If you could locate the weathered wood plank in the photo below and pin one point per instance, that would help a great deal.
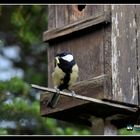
(124, 56)
(107, 50)
(91, 86)
(109, 129)
(97, 126)
(107, 43)
(60, 19)
(50, 56)
(89, 10)
(51, 17)
(87, 113)
(70, 13)
(81, 41)
(138, 45)
(87, 52)
(95, 82)
(50, 50)
(76, 98)
(79, 25)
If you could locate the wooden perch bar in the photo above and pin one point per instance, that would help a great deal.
(50, 90)
(94, 82)
(89, 85)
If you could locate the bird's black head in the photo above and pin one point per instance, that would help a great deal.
(63, 54)
(64, 60)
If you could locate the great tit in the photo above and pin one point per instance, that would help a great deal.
(64, 76)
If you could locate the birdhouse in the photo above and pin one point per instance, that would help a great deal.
(105, 41)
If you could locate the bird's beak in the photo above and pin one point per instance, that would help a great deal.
(57, 60)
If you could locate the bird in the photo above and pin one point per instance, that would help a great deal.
(64, 76)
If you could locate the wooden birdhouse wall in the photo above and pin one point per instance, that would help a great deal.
(89, 45)
(125, 53)
(104, 39)
(62, 15)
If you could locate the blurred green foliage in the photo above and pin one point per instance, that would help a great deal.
(29, 22)
(23, 25)
(124, 131)
(16, 106)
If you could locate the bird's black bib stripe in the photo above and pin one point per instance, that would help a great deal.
(65, 80)
(67, 69)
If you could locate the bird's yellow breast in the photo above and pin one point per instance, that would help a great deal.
(57, 76)
(73, 75)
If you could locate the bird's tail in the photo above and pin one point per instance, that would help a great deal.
(53, 100)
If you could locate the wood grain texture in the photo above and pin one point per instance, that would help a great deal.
(50, 55)
(77, 97)
(107, 42)
(87, 52)
(51, 17)
(89, 88)
(79, 25)
(83, 112)
(89, 10)
(83, 85)
(93, 87)
(124, 56)
(107, 54)
(94, 83)
(138, 46)
(62, 15)
(109, 129)
(87, 46)
(97, 126)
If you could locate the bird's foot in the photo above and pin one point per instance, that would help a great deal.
(72, 93)
(57, 90)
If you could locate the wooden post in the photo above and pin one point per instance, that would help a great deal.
(109, 129)
(97, 126)
(102, 126)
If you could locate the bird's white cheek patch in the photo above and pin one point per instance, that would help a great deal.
(68, 57)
